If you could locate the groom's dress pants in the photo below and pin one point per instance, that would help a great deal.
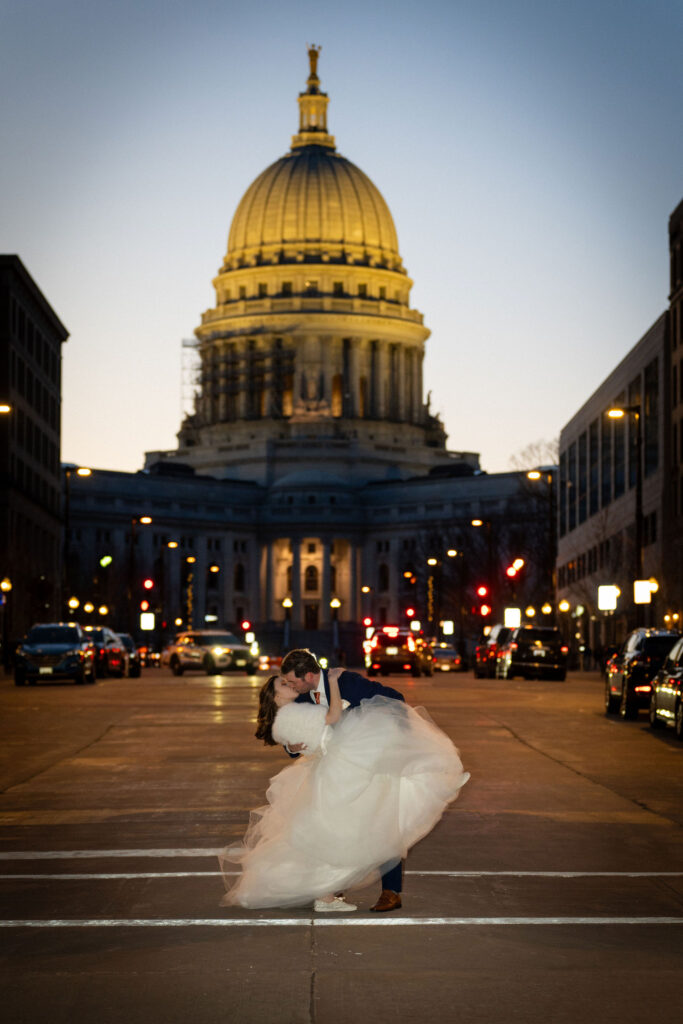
(394, 879)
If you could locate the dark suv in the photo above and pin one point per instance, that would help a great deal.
(55, 650)
(535, 652)
(392, 649)
(486, 651)
(629, 674)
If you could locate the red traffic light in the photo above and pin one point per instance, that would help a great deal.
(511, 571)
(148, 584)
(245, 624)
(367, 621)
(410, 612)
(482, 591)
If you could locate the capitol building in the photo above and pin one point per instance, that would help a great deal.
(311, 485)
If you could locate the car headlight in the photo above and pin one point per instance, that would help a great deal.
(254, 649)
(218, 651)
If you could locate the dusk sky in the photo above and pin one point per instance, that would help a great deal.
(530, 151)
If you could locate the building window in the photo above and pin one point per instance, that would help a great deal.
(382, 292)
(572, 489)
(311, 547)
(383, 577)
(362, 291)
(651, 418)
(243, 292)
(593, 468)
(338, 288)
(311, 579)
(286, 287)
(238, 578)
(582, 478)
(262, 290)
(619, 428)
(606, 425)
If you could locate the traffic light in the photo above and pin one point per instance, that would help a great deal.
(484, 610)
(410, 612)
(245, 624)
(367, 621)
(148, 583)
(482, 591)
(144, 606)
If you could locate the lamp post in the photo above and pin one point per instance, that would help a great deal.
(287, 605)
(617, 413)
(335, 605)
(82, 471)
(547, 476)
(5, 591)
(486, 523)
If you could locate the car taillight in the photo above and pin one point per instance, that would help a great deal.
(411, 644)
(564, 649)
(642, 689)
(408, 666)
(514, 646)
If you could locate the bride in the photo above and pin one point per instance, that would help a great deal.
(374, 779)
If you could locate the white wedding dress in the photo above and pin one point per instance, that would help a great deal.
(367, 789)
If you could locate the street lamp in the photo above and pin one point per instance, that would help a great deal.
(547, 476)
(135, 521)
(617, 413)
(335, 605)
(287, 604)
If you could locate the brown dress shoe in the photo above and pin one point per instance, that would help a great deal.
(389, 900)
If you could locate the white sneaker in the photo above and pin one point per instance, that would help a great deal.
(337, 905)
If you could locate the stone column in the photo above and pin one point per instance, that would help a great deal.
(353, 582)
(268, 612)
(297, 609)
(228, 578)
(325, 591)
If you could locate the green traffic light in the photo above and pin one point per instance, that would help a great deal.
(106, 560)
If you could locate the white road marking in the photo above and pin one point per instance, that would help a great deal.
(66, 876)
(347, 922)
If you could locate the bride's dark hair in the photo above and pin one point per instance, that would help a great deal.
(267, 710)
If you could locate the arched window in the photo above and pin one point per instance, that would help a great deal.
(383, 577)
(238, 578)
(311, 579)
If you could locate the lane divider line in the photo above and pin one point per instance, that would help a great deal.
(347, 922)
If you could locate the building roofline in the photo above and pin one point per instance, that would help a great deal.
(11, 262)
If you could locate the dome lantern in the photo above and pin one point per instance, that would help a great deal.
(313, 109)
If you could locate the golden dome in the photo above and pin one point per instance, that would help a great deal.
(313, 204)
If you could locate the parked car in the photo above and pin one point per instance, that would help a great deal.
(666, 699)
(535, 652)
(629, 674)
(445, 658)
(111, 657)
(486, 651)
(134, 660)
(392, 649)
(209, 650)
(148, 656)
(55, 650)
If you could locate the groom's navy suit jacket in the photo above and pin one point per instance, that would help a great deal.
(354, 687)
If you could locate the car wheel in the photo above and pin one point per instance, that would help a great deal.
(627, 706)
(415, 671)
(210, 666)
(678, 721)
(176, 667)
(429, 671)
(384, 671)
(611, 701)
(80, 678)
(655, 722)
(250, 669)
(19, 679)
(134, 672)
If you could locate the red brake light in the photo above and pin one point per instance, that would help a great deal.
(411, 644)
(564, 649)
(514, 646)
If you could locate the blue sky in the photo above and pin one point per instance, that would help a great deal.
(530, 152)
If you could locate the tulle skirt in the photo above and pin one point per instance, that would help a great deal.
(338, 819)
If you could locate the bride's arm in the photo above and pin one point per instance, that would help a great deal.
(334, 714)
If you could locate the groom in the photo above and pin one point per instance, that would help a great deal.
(303, 673)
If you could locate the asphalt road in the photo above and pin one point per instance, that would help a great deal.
(551, 891)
